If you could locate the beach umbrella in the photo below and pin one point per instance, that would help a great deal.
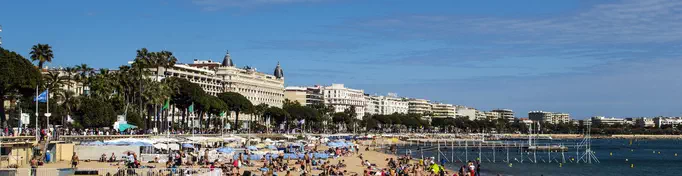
(125, 126)
(95, 143)
(174, 146)
(161, 146)
(225, 150)
(272, 147)
(252, 147)
(186, 145)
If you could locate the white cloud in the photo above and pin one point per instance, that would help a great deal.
(624, 22)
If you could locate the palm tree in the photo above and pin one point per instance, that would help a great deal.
(142, 61)
(68, 100)
(83, 76)
(258, 111)
(41, 53)
(70, 71)
(55, 80)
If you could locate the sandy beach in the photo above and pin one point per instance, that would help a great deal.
(353, 163)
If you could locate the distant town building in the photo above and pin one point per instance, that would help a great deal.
(491, 115)
(549, 117)
(304, 95)
(385, 105)
(604, 121)
(342, 98)
(372, 106)
(667, 121)
(463, 111)
(441, 110)
(481, 115)
(392, 104)
(525, 121)
(644, 122)
(418, 106)
(505, 113)
(629, 121)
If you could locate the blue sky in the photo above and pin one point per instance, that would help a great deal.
(609, 58)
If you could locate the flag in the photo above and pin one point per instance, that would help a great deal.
(166, 105)
(191, 107)
(222, 114)
(42, 97)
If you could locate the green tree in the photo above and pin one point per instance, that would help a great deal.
(95, 113)
(235, 102)
(18, 77)
(258, 112)
(186, 94)
(277, 115)
(41, 53)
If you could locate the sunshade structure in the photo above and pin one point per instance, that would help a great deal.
(130, 141)
(252, 148)
(226, 150)
(93, 143)
(340, 143)
(170, 146)
(187, 145)
(125, 126)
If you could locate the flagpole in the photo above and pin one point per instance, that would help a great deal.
(36, 100)
(47, 115)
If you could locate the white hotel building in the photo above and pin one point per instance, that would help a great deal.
(342, 98)
(418, 106)
(385, 105)
(216, 77)
(441, 110)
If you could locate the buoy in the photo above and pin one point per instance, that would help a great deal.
(510, 164)
(632, 165)
(675, 154)
(626, 160)
(560, 164)
(654, 152)
(611, 154)
(659, 152)
(632, 150)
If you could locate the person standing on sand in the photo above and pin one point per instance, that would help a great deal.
(74, 160)
(34, 166)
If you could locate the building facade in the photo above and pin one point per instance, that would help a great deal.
(549, 117)
(441, 110)
(392, 104)
(295, 94)
(644, 122)
(505, 113)
(304, 95)
(372, 106)
(673, 122)
(418, 106)
(342, 98)
(607, 121)
(216, 77)
(491, 115)
(463, 111)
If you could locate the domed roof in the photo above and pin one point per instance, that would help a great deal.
(278, 71)
(227, 61)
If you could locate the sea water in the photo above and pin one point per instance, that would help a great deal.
(615, 156)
